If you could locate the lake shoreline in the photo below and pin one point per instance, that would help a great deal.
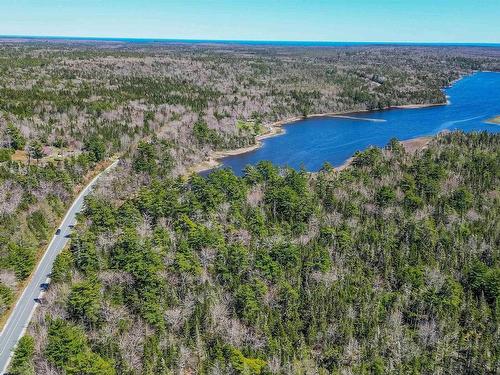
(276, 128)
(493, 121)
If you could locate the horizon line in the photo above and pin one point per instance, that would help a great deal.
(240, 41)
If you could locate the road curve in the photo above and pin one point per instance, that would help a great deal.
(21, 315)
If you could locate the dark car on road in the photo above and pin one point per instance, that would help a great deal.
(58, 231)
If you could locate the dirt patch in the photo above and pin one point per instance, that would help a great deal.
(202, 166)
(416, 144)
(20, 155)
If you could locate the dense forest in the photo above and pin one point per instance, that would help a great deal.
(64, 96)
(66, 108)
(33, 198)
(389, 266)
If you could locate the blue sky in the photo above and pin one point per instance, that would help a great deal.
(312, 20)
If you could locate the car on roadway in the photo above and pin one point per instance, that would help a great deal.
(58, 231)
(41, 301)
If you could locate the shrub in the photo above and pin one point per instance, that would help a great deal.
(22, 360)
(6, 297)
(17, 140)
(88, 363)
(64, 341)
(61, 270)
(21, 258)
(84, 302)
(5, 154)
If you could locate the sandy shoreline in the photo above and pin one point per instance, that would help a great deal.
(493, 121)
(417, 106)
(410, 145)
(276, 128)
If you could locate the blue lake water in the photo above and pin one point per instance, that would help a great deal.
(279, 43)
(312, 142)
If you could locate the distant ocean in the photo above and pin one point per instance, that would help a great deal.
(284, 43)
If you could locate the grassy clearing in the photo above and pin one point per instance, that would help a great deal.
(254, 127)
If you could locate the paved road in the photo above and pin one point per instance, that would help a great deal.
(23, 311)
